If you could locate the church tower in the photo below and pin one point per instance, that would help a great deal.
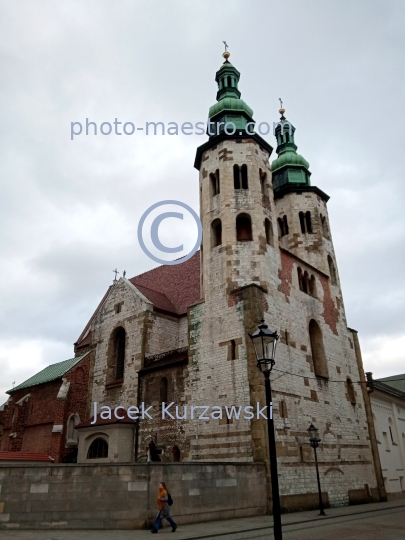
(235, 184)
(267, 253)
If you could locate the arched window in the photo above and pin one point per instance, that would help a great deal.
(229, 81)
(214, 183)
(119, 348)
(216, 233)
(243, 228)
(305, 222)
(286, 231)
(98, 449)
(305, 282)
(324, 226)
(302, 222)
(268, 227)
(163, 390)
(300, 279)
(280, 227)
(176, 453)
(318, 351)
(332, 270)
(350, 391)
(263, 183)
(236, 177)
(244, 174)
(72, 436)
(312, 287)
(308, 222)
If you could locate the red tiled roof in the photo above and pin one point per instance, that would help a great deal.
(169, 287)
(104, 422)
(24, 456)
(158, 299)
(179, 283)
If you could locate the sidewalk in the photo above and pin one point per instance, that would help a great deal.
(246, 528)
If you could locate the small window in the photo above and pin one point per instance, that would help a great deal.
(214, 183)
(244, 173)
(163, 389)
(300, 279)
(305, 222)
(118, 307)
(302, 222)
(324, 226)
(216, 233)
(229, 81)
(120, 338)
(269, 232)
(332, 270)
(285, 221)
(176, 454)
(236, 177)
(243, 228)
(385, 439)
(263, 183)
(305, 280)
(280, 227)
(283, 409)
(308, 222)
(350, 391)
(233, 349)
(312, 287)
(98, 449)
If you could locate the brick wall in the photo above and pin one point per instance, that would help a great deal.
(33, 420)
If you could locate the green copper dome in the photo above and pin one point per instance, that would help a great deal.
(229, 104)
(289, 158)
(229, 107)
(289, 168)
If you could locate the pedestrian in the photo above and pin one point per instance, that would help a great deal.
(163, 509)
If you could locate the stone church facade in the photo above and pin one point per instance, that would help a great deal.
(180, 333)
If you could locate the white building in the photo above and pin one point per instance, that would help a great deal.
(388, 405)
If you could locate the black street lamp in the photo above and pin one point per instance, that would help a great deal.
(265, 343)
(314, 441)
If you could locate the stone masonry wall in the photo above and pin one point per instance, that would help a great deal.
(124, 496)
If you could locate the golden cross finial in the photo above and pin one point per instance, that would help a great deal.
(281, 110)
(226, 54)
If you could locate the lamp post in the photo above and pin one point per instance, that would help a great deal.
(314, 441)
(264, 343)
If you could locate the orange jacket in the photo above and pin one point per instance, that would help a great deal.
(162, 493)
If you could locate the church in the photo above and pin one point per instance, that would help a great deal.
(181, 333)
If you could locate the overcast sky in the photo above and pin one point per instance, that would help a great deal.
(70, 209)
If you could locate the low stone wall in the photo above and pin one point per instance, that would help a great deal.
(105, 496)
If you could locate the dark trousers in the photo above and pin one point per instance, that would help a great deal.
(158, 521)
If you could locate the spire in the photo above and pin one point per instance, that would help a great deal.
(289, 168)
(229, 106)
